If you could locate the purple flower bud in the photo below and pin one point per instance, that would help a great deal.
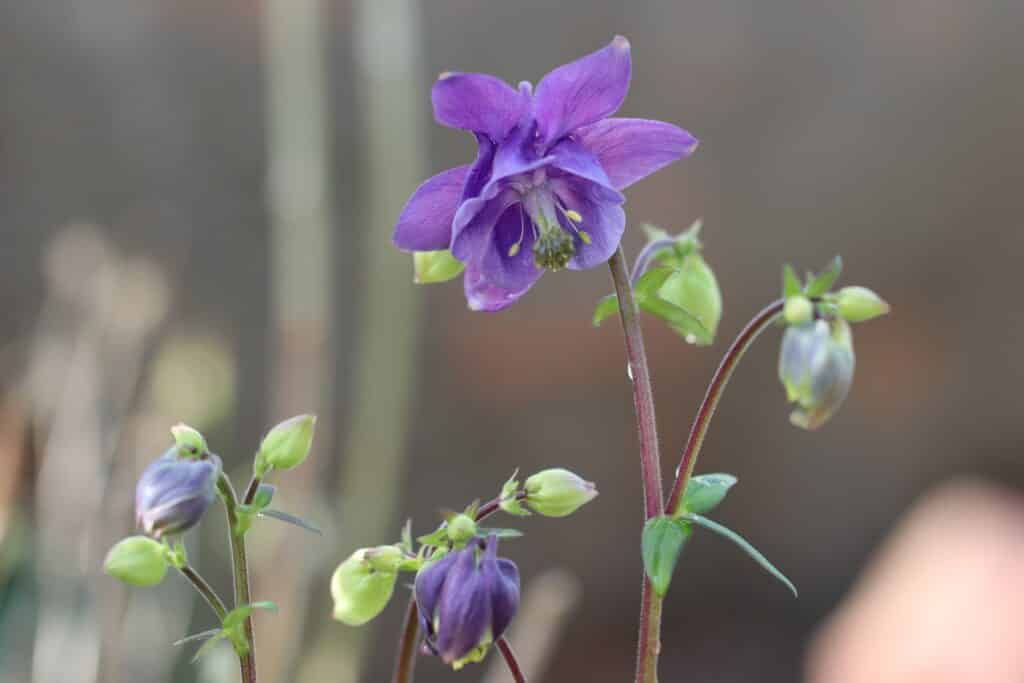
(174, 492)
(466, 601)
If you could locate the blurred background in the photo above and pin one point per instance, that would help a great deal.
(196, 201)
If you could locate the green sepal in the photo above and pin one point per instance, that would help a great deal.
(437, 537)
(790, 282)
(744, 545)
(818, 285)
(705, 491)
(662, 542)
(647, 299)
(406, 542)
(509, 497)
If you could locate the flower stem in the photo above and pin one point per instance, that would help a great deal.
(702, 421)
(406, 661)
(206, 591)
(649, 643)
(240, 571)
(510, 660)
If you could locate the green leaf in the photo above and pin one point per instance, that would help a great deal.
(821, 283)
(236, 616)
(790, 282)
(484, 532)
(662, 542)
(651, 281)
(197, 636)
(681, 320)
(436, 538)
(406, 543)
(744, 545)
(705, 491)
(291, 519)
(208, 645)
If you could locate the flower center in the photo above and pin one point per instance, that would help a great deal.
(554, 244)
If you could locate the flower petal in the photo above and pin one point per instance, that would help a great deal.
(604, 221)
(499, 273)
(478, 102)
(426, 221)
(502, 579)
(584, 91)
(427, 589)
(464, 613)
(572, 157)
(631, 149)
(475, 219)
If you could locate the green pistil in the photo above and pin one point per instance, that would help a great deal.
(553, 248)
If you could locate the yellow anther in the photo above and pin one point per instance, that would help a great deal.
(514, 249)
(584, 236)
(574, 216)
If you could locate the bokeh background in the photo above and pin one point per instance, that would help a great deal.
(196, 200)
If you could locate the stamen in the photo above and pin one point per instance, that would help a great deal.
(514, 249)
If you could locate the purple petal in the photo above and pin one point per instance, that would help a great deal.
(465, 612)
(480, 171)
(584, 91)
(572, 157)
(474, 221)
(631, 149)
(478, 102)
(426, 221)
(604, 221)
(427, 589)
(499, 273)
(502, 578)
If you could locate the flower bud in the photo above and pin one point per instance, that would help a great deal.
(435, 266)
(695, 289)
(798, 309)
(466, 600)
(363, 584)
(264, 496)
(175, 491)
(137, 560)
(461, 528)
(286, 445)
(857, 304)
(190, 442)
(816, 366)
(557, 492)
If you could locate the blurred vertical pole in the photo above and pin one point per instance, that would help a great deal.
(386, 46)
(301, 219)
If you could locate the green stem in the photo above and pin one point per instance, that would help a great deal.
(206, 591)
(702, 421)
(240, 571)
(649, 637)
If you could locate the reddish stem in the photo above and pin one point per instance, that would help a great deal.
(510, 660)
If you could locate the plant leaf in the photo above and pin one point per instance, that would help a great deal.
(821, 283)
(705, 491)
(197, 636)
(435, 538)
(605, 309)
(651, 281)
(744, 545)
(208, 645)
(291, 519)
(484, 532)
(790, 282)
(678, 318)
(662, 542)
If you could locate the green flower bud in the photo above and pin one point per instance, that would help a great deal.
(137, 560)
(857, 304)
(461, 528)
(798, 309)
(435, 266)
(189, 441)
(695, 289)
(286, 445)
(360, 587)
(557, 492)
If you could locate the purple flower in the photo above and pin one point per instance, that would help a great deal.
(466, 600)
(544, 191)
(174, 491)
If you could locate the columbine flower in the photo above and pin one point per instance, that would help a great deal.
(175, 491)
(466, 600)
(816, 365)
(544, 191)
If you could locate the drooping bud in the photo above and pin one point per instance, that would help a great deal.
(461, 528)
(694, 288)
(798, 309)
(466, 601)
(435, 266)
(174, 491)
(858, 304)
(286, 445)
(816, 366)
(137, 560)
(557, 492)
(362, 585)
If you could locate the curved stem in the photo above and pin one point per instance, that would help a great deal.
(510, 660)
(406, 661)
(206, 591)
(646, 255)
(240, 571)
(702, 421)
(492, 506)
(649, 640)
